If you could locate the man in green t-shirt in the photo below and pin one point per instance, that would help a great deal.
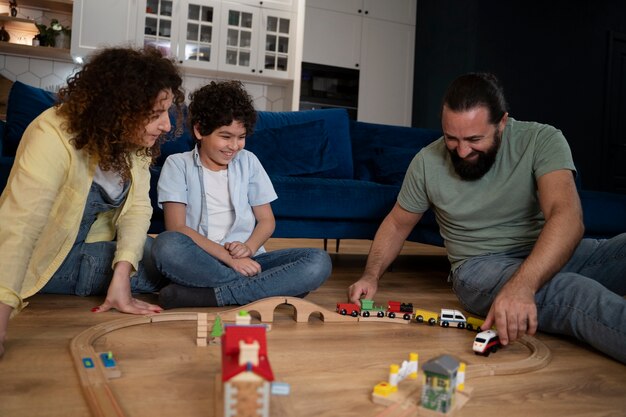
(504, 196)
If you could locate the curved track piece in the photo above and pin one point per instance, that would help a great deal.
(91, 371)
(540, 357)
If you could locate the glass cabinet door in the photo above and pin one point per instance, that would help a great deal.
(256, 40)
(239, 45)
(277, 36)
(200, 34)
(158, 25)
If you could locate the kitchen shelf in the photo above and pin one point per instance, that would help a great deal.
(46, 52)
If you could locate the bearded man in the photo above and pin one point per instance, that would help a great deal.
(504, 196)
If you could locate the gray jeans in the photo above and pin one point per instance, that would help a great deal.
(584, 300)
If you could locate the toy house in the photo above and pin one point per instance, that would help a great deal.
(246, 371)
(440, 381)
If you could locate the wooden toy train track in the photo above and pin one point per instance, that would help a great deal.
(102, 401)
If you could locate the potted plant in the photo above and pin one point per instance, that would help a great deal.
(55, 35)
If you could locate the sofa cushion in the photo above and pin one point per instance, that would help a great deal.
(324, 198)
(372, 160)
(336, 124)
(25, 104)
(389, 164)
(297, 150)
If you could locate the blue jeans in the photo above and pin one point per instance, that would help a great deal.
(287, 272)
(87, 269)
(584, 300)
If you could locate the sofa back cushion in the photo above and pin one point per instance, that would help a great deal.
(24, 105)
(382, 153)
(304, 143)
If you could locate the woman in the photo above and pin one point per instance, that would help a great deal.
(76, 210)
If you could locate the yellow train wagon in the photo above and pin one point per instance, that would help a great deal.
(427, 316)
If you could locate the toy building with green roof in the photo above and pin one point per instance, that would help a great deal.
(440, 380)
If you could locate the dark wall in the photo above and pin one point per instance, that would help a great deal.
(550, 56)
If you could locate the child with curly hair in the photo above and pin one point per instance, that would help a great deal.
(216, 202)
(75, 211)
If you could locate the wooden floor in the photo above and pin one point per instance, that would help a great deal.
(330, 367)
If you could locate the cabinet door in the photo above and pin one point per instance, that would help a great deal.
(158, 25)
(199, 34)
(344, 6)
(239, 38)
(97, 23)
(386, 76)
(400, 11)
(277, 44)
(332, 38)
(287, 5)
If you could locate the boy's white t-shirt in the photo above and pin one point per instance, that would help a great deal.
(220, 209)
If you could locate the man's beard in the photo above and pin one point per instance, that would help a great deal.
(472, 171)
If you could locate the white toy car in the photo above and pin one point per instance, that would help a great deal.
(486, 342)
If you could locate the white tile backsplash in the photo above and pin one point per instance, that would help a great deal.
(51, 75)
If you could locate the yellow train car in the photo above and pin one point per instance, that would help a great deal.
(422, 316)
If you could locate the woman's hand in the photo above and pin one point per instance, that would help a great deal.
(120, 297)
(5, 313)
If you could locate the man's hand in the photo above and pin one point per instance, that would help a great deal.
(238, 250)
(363, 288)
(513, 312)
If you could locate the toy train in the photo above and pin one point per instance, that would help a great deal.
(445, 318)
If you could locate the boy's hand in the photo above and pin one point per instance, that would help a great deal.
(246, 266)
(238, 250)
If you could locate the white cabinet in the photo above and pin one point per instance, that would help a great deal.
(256, 41)
(386, 74)
(332, 38)
(377, 37)
(224, 36)
(186, 30)
(101, 23)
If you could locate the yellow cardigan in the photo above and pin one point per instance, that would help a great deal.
(42, 206)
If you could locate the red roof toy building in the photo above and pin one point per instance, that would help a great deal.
(244, 348)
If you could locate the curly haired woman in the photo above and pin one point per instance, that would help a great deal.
(216, 202)
(75, 211)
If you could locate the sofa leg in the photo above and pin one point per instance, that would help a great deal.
(337, 246)
(326, 244)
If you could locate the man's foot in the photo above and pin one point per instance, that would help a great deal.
(176, 296)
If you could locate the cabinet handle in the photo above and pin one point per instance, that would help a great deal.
(360, 11)
(367, 12)
(356, 65)
(260, 71)
(253, 70)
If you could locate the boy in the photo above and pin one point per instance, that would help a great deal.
(216, 202)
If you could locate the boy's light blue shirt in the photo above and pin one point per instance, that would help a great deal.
(181, 181)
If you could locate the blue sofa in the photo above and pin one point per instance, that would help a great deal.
(335, 178)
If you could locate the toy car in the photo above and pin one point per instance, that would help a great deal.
(486, 342)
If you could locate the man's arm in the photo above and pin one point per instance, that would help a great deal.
(386, 246)
(514, 311)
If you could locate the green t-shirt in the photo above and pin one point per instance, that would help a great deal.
(498, 212)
